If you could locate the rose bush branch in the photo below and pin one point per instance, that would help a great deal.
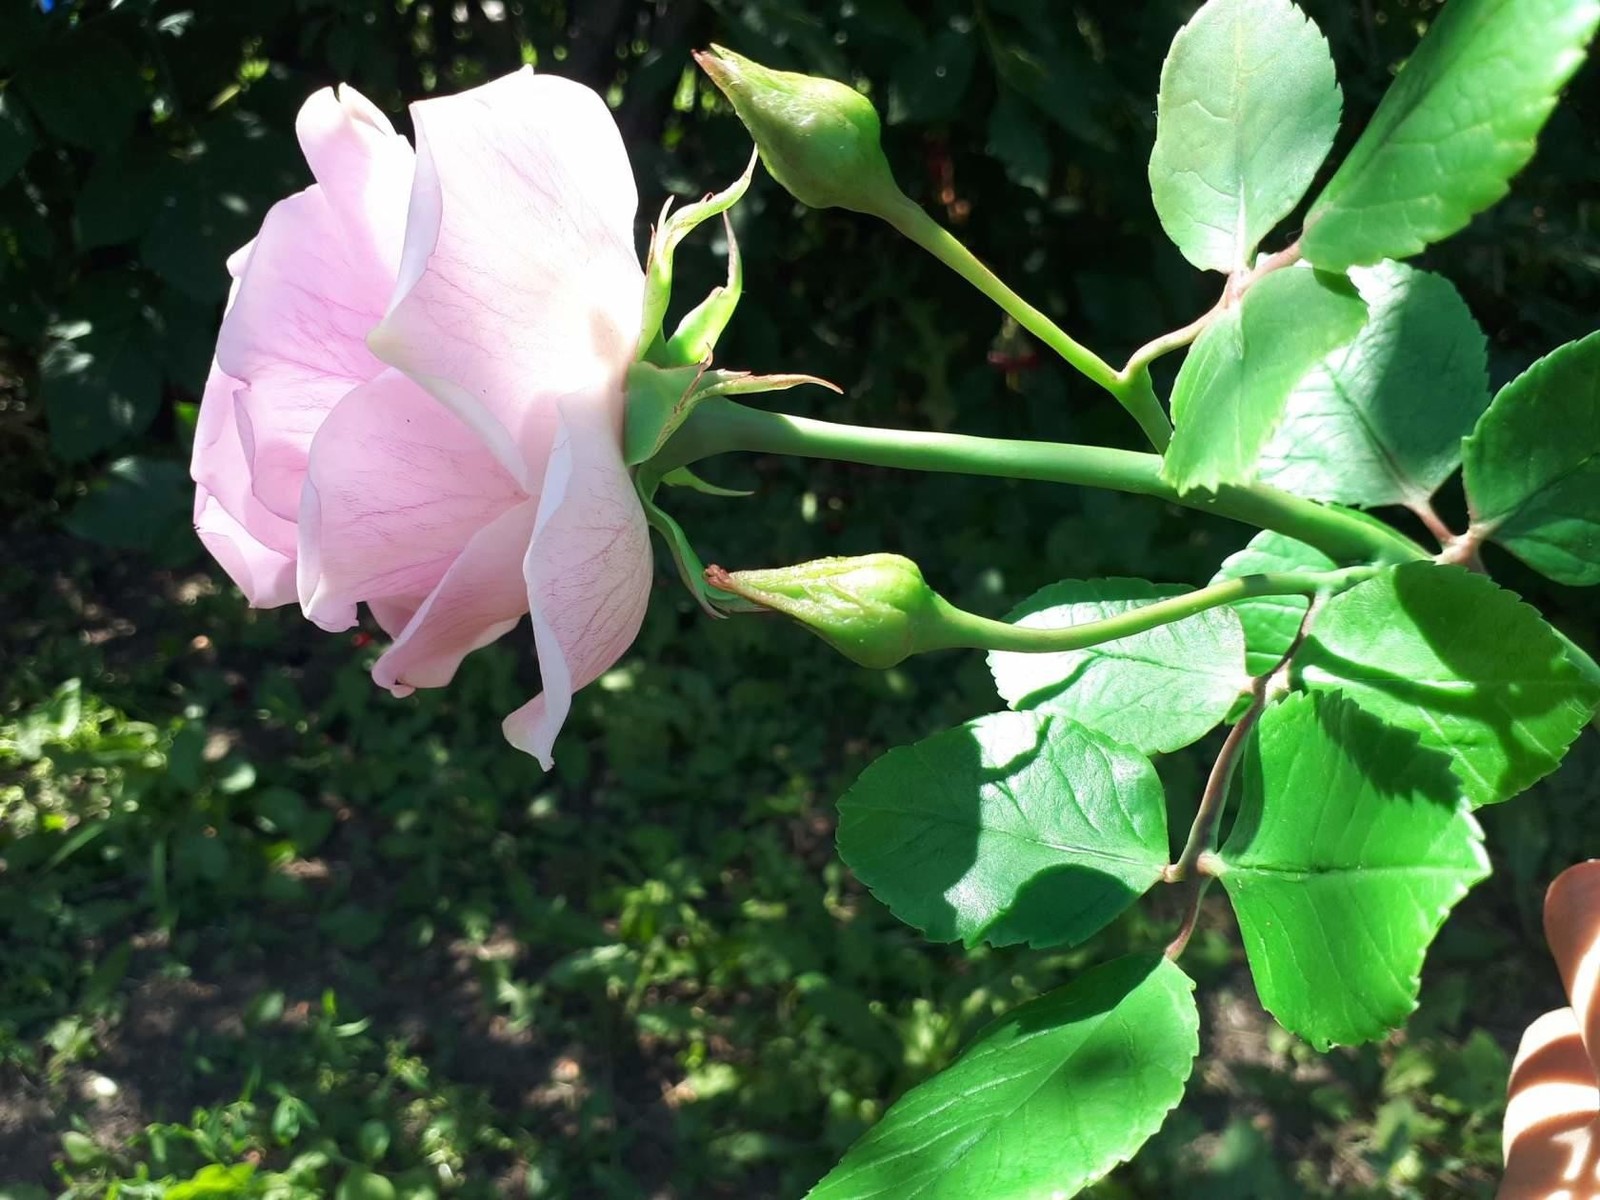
(820, 139)
(719, 426)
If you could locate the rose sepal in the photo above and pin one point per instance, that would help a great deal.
(712, 315)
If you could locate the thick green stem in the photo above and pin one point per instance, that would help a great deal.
(1138, 397)
(970, 631)
(718, 426)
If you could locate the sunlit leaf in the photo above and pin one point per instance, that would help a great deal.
(1351, 845)
(1044, 1101)
(1155, 691)
(1232, 388)
(1533, 465)
(1462, 663)
(1248, 109)
(1380, 421)
(1015, 827)
(1458, 122)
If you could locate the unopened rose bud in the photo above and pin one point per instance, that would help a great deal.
(819, 138)
(875, 610)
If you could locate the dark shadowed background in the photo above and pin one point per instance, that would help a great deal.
(265, 931)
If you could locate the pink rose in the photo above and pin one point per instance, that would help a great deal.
(1552, 1127)
(417, 397)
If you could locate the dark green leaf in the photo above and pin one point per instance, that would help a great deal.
(929, 84)
(1533, 465)
(1016, 139)
(213, 202)
(121, 196)
(1460, 662)
(1380, 421)
(1351, 846)
(1058, 76)
(1045, 1100)
(1248, 109)
(1270, 622)
(1458, 122)
(16, 136)
(1155, 691)
(1015, 827)
(141, 504)
(1233, 386)
(85, 89)
(99, 378)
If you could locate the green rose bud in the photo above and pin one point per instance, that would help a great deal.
(875, 610)
(819, 138)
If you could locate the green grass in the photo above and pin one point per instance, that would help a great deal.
(271, 932)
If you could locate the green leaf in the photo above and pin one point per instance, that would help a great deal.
(1248, 109)
(1045, 1100)
(1018, 142)
(121, 195)
(1270, 622)
(1015, 827)
(16, 137)
(929, 84)
(1462, 663)
(85, 89)
(1380, 421)
(141, 504)
(212, 201)
(1351, 845)
(1155, 691)
(99, 377)
(1233, 386)
(1056, 73)
(1533, 465)
(1458, 122)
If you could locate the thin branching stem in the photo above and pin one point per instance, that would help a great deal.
(1194, 868)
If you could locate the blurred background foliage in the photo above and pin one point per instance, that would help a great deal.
(265, 931)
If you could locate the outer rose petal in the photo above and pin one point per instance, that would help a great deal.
(479, 598)
(1551, 1139)
(218, 465)
(264, 576)
(311, 287)
(364, 169)
(588, 571)
(296, 338)
(519, 268)
(396, 488)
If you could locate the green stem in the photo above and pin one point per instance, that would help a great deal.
(1140, 401)
(970, 631)
(718, 426)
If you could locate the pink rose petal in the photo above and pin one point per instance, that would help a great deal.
(588, 572)
(519, 276)
(396, 488)
(264, 576)
(479, 598)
